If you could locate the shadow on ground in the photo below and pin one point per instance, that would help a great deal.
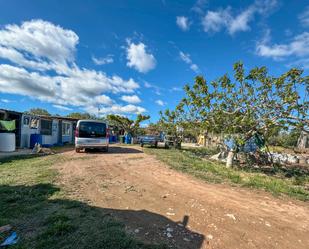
(115, 150)
(44, 219)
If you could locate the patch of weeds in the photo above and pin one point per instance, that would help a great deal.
(58, 225)
(190, 162)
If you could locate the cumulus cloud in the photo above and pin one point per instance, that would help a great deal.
(186, 58)
(138, 58)
(225, 19)
(183, 23)
(132, 99)
(160, 102)
(40, 63)
(102, 61)
(116, 109)
(304, 17)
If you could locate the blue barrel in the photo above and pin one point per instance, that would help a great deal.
(35, 138)
(128, 139)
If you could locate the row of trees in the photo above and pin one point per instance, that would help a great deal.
(249, 104)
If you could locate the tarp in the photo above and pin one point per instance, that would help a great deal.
(7, 125)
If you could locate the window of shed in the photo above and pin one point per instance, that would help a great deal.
(46, 127)
(66, 128)
(26, 121)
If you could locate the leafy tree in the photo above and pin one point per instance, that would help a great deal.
(39, 111)
(171, 123)
(79, 115)
(285, 138)
(252, 103)
(128, 125)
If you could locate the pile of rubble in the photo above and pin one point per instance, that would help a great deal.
(278, 158)
(289, 159)
(38, 149)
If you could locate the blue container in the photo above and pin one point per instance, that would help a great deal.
(35, 138)
(128, 139)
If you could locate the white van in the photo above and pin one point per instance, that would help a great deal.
(91, 134)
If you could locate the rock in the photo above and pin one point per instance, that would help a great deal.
(170, 214)
(186, 239)
(231, 216)
(209, 237)
(169, 229)
(292, 159)
(267, 224)
(136, 231)
(216, 156)
(169, 235)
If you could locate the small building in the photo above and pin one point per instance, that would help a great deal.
(51, 130)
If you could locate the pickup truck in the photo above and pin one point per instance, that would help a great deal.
(149, 140)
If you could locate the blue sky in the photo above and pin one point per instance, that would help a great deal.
(130, 57)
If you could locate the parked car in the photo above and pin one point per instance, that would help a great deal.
(91, 134)
(149, 140)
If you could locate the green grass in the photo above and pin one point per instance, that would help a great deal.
(45, 217)
(192, 161)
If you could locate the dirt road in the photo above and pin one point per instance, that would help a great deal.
(158, 204)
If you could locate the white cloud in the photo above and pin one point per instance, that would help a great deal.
(139, 58)
(103, 100)
(5, 100)
(104, 60)
(64, 108)
(156, 89)
(134, 99)
(199, 6)
(215, 21)
(40, 63)
(295, 52)
(304, 17)
(186, 58)
(160, 102)
(176, 89)
(298, 46)
(116, 109)
(183, 23)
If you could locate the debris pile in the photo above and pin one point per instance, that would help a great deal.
(38, 149)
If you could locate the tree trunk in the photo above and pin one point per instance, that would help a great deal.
(230, 158)
(302, 140)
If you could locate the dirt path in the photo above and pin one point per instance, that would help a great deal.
(159, 204)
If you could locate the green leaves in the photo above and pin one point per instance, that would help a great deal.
(253, 102)
(130, 126)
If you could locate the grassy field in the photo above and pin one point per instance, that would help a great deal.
(193, 162)
(45, 217)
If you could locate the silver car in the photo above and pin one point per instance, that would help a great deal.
(91, 134)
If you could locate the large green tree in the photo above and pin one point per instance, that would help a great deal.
(128, 125)
(250, 103)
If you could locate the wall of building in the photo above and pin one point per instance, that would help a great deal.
(26, 130)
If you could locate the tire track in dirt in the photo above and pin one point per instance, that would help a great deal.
(156, 202)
